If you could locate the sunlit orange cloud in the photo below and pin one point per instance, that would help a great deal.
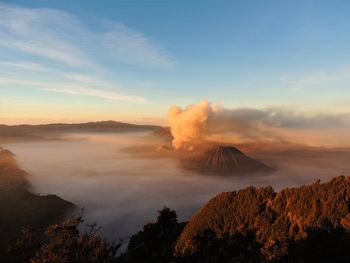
(206, 121)
(316, 138)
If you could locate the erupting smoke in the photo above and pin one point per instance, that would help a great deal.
(206, 121)
(190, 124)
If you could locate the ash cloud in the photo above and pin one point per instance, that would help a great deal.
(189, 124)
(207, 121)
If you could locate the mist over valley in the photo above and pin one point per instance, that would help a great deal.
(122, 191)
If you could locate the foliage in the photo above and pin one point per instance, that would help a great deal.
(321, 245)
(156, 242)
(212, 249)
(65, 244)
(26, 246)
(277, 219)
(298, 225)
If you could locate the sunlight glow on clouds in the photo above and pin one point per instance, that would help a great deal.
(208, 121)
(126, 59)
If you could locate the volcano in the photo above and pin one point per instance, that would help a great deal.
(226, 160)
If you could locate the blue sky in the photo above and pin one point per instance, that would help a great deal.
(131, 60)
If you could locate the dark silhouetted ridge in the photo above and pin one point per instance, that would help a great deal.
(20, 208)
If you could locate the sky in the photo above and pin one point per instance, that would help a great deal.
(75, 61)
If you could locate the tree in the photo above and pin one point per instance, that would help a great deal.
(320, 245)
(156, 242)
(225, 249)
(65, 244)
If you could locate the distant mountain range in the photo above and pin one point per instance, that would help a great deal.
(32, 132)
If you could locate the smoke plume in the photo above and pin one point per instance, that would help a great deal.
(207, 121)
(190, 124)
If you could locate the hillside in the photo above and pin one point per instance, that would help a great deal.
(10, 174)
(276, 219)
(21, 208)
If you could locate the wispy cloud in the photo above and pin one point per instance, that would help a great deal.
(39, 32)
(319, 78)
(134, 47)
(62, 46)
(73, 89)
(62, 37)
(89, 80)
(24, 65)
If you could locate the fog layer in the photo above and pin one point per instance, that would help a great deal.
(122, 193)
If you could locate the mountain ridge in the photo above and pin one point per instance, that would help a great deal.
(274, 217)
(54, 130)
